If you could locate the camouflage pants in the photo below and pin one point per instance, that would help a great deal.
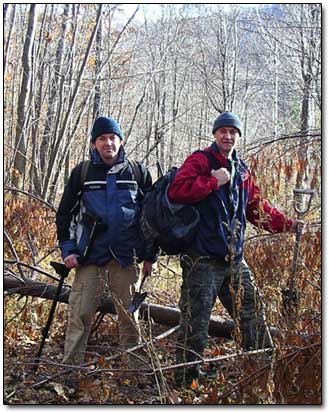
(205, 279)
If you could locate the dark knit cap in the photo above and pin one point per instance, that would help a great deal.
(227, 119)
(105, 125)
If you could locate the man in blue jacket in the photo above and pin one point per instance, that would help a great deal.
(99, 235)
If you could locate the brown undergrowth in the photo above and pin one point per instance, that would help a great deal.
(292, 375)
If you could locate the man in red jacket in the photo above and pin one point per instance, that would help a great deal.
(226, 197)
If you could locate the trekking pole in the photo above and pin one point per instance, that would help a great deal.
(160, 169)
(63, 271)
(290, 295)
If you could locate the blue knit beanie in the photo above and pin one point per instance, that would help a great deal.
(105, 125)
(227, 119)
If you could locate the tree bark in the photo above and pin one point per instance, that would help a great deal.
(20, 143)
(98, 64)
(8, 40)
(55, 106)
(48, 189)
(38, 84)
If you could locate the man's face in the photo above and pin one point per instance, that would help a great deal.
(226, 139)
(108, 146)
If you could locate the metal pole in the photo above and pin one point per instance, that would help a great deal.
(290, 297)
(63, 271)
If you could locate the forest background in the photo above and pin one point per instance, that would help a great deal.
(164, 73)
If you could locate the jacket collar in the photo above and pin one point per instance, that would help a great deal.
(97, 160)
(214, 148)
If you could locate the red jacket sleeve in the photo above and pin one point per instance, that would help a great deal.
(193, 181)
(261, 214)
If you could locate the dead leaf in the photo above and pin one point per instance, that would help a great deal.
(218, 351)
(194, 384)
(101, 361)
(90, 385)
(213, 396)
(59, 390)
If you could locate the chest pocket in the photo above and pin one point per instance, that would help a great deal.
(127, 190)
(94, 185)
(127, 195)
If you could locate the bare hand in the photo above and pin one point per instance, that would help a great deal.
(71, 261)
(222, 175)
(297, 226)
(147, 268)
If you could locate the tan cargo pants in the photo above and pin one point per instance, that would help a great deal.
(90, 285)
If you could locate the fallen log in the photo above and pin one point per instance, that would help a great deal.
(160, 314)
(44, 290)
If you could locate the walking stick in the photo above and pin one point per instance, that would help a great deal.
(63, 271)
(160, 169)
(290, 295)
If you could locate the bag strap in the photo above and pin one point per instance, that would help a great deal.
(211, 158)
(84, 171)
(214, 165)
(134, 165)
(136, 171)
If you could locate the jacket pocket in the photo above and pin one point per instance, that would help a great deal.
(130, 215)
(82, 237)
(127, 191)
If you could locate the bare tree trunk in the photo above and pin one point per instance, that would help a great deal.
(159, 75)
(5, 10)
(307, 60)
(148, 128)
(174, 114)
(163, 122)
(10, 125)
(20, 146)
(245, 109)
(8, 40)
(52, 166)
(234, 64)
(98, 65)
(218, 66)
(38, 86)
(54, 105)
(275, 91)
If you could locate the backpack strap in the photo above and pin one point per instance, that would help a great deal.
(84, 171)
(136, 171)
(214, 165)
(134, 165)
(213, 162)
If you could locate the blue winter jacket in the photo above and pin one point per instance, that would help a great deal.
(220, 232)
(110, 196)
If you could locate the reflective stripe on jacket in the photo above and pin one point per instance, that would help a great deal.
(109, 194)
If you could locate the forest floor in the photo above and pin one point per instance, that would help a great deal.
(108, 381)
(293, 375)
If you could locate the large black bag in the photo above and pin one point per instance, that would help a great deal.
(171, 226)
